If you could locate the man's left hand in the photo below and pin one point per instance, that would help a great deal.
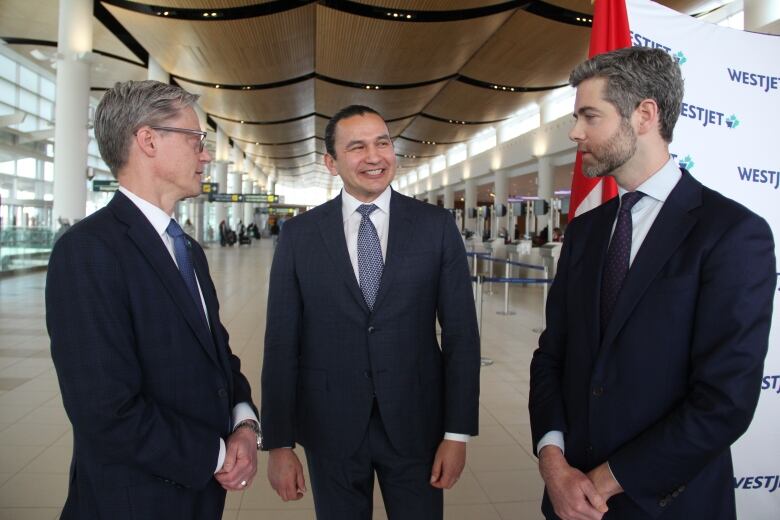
(448, 464)
(240, 461)
(604, 482)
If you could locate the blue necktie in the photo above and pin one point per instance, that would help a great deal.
(369, 253)
(181, 248)
(618, 255)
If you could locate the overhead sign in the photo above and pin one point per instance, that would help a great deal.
(209, 187)
(105, 185)
(252, 198)
(226, 197)
(261, 197)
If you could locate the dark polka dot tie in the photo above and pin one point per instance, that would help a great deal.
(181, 249)
(369, 253)
(618, 255)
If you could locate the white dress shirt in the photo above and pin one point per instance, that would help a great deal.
(159, 221)
(380, 217)
(656, 189)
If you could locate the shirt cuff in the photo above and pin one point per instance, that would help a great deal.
(460, 437)
(553, 437)
(613, 475)
(241, 412)
(221, 458)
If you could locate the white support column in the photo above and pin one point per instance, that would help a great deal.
(235, 182)
(71, 112)
(545, 190)
(220, 174)
(449, 197)
(501, 192)
(156, 72)
(471, 204)
(762, 16)
(246, 188)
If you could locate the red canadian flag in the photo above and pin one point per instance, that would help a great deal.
(610, 31)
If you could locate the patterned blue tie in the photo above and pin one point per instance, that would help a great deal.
(181, 248)
(369, 253)
(618, 255)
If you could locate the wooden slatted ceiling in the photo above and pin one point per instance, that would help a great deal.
(684, 6)
(257, 50)
(468, 103)
(280, 133)
(522, 53)
(205, 4)
(256, 105)
(367, 50)
(431, 5)
(425, 129)
(391, 104)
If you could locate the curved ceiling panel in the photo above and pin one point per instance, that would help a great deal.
(262, 49)
(392, 104)
(280, 133)
(386, 52)
(468, 103)
(267, 105)
(520, 54)
(425, 129)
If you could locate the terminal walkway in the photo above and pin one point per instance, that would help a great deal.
(500, 481)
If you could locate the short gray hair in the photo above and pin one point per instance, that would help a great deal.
(129, 106)
(634, 74)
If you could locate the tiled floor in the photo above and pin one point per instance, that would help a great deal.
(500, 481)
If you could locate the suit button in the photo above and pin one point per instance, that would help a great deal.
(598, 391)
(663, 502)
(222, 392)
(367, 373)
(371, 329)
(589, 449)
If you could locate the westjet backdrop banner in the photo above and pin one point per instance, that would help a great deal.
(727, 138)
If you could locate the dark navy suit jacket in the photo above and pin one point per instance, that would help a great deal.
(676, 376)
(327, 357)
(148, 387)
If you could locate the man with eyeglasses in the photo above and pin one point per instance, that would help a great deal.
(163, 421)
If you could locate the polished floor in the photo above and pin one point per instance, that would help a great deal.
(500, 481)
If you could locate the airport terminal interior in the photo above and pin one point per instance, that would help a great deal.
(476, 99)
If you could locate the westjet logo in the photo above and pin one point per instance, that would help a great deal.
(769, 178)
(771, 383)
(637, 40)
(752, 79)
(708, 116)
(768, 482)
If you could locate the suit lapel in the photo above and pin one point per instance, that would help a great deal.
(669, 230)
(398, 238)
(202, 272)
(332, 231)
(148, 242)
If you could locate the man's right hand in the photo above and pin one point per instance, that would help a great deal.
(573, 495)
(285, 474)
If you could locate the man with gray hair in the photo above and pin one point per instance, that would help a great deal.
(163, 420)
(658, 319)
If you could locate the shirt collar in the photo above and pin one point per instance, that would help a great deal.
(350, 204)
(156, 217)
(661, 183)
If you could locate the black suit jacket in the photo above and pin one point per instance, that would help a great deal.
(676, 376)
(327, 356)
(148, 387)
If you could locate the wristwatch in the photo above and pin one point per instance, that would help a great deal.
(252, 425)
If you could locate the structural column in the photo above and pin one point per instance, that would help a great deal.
(220, 174)
(471, 205)
(71, 112)
(449, 197)
(156, 72)
(501, 192)
(545, 191)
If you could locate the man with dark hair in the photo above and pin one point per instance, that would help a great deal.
(657, 322)
(353, 370)
(163, 420)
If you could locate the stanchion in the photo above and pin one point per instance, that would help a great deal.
(483, 361)
(539, 330)
(507, 274)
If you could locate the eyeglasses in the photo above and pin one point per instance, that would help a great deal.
(199, 133)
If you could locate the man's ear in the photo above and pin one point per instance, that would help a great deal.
(146, 140)
(330, 164)
(647, 115)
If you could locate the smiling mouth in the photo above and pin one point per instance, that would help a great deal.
(374, 173)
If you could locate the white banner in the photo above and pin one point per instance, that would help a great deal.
(727, 138)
